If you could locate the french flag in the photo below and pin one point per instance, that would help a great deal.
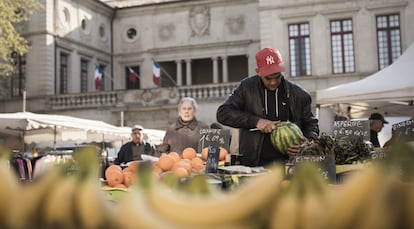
(98, 77)
(132, 76)
(156, 73)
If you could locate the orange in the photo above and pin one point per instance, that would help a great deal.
(156, 169)
(114, 177)
(112, 168)
(196, 161)
(181, 172)
(183, 163)
(189, 153)
(175, 156)
(165, 162)
(133, 166)
(223, 154)
(204, 153)
(120, 186)
(129, 178)
(197, 167)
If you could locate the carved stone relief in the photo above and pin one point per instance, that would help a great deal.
(166, 31)
(200, 21)
(236, 25)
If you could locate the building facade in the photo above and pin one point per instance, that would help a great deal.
(203, 47)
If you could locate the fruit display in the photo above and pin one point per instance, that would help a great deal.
(379, 196)
(183, 165)
(285, 135)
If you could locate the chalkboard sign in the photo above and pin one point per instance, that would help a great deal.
(404, 130)
(213, 157)
(356, 128)
(326, 165)
(214, 137)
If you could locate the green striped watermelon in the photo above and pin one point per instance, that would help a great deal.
(285, 135)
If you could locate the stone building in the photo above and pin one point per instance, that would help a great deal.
(203, 48)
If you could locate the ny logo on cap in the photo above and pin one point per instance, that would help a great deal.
(270, 60)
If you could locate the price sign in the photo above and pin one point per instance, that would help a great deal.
(213, 157)
(326, 165)
(214, 137)
(358, 128)
(404, 130)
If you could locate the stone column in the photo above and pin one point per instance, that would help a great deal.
(225, 70)
(188, 71)
(179, 73)
(215, 69)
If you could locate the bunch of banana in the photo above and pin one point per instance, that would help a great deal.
(10, 187)
(303, 203)
(92, 207)
(59, 205)
(63, 199)
(151, 204)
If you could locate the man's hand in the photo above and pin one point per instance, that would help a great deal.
(266, 126)
(294, 149)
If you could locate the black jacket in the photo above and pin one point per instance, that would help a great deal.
(125, 153)
(245, 106)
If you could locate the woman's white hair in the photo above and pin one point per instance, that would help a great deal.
(188, 99)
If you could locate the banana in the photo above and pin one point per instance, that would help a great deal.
(312, 212)
(31, 198)
(59, 206)
(9, 192)
(381, 211)
(285, 213)
(314, 201)
(407, 219)
(93, 208)
(218, 209)
(350, 204)
(133, 211)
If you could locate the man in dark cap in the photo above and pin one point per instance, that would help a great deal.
(377, 122)
(132, 151)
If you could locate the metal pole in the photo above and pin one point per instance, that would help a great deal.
(122, 118)
(24, 100)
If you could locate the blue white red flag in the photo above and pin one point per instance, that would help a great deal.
(98, 77)
(156, 73)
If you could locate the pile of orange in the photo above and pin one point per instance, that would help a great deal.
(121, 178)
(181, 165)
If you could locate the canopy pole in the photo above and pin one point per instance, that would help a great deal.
(318, 108)
(122, 118)
(24, 100)
(54, 138)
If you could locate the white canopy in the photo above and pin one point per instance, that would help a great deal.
(381, 90)
(48, 130)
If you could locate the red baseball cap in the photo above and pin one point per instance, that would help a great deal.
(269, 61)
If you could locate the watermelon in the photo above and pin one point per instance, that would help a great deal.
(285, 135)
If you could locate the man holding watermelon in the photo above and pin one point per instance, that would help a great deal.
(265, 109)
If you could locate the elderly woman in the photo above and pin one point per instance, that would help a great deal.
(185, 131)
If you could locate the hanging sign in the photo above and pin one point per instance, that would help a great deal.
(214, 137)
(349, 128)
(404, 130)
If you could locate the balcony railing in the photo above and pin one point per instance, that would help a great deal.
(141, 97)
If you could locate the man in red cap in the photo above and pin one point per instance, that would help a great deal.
(262, 101)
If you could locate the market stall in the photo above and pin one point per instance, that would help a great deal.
(49, 130)
(390, 91)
